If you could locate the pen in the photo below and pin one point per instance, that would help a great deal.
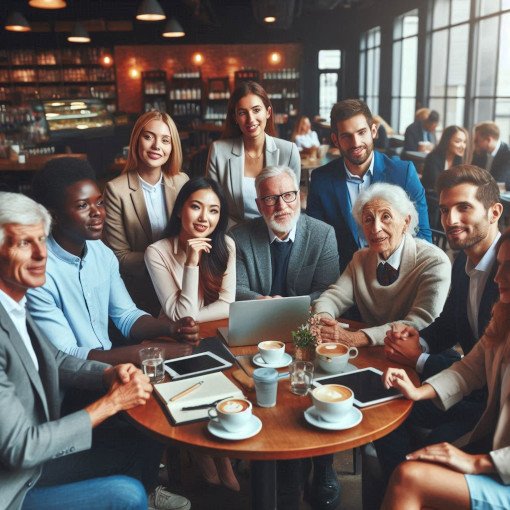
(204, 406)
(186, 391)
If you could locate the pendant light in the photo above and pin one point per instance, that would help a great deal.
(16, 22)
(173, 29)
(79, 34)
(47, 4)
(150, 10)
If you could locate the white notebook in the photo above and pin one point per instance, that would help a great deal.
(215, 387)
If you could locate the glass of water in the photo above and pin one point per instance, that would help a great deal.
(152, 359)
(301, 376)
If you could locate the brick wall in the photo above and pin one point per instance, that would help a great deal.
(219, 60)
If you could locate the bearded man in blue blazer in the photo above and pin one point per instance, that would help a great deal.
(335, 186)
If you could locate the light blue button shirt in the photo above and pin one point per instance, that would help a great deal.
(73, 306)
(355, 185)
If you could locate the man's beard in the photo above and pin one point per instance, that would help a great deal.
(283, 228)
(360, 160)
(477, 234)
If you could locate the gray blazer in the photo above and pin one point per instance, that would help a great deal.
(31, 430)
(313, 264)
(225, 165)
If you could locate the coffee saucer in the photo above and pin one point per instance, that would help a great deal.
(350, 420)
(252, 428)
(285, 362)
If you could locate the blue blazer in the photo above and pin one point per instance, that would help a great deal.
(452, 325)
(328, 199)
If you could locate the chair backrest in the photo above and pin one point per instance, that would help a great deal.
(433, 208)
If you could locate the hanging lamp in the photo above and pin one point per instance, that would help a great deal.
(173, 29)
(16, 22)
(150, 10)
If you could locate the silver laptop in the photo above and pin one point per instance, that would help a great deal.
(252, 321)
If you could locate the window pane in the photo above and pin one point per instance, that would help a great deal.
(503, 88)
(487, 6)
(441, 13)
(486, 57)
(362, 42)
(460, 10)
(502, 118)
(377, 36)
(410, 24)
(409, 65)
(397, 67)
(395, 112)
(362, 89)
(370, 72)
(483, 110)
(457, 68)
(328, 93)
(329, 59)
(397, 28)
(438, 63)
(373, 104)
(505, 4)
(454, 111)
(407, 109)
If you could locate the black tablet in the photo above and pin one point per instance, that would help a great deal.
(196, 364)
(365, 383)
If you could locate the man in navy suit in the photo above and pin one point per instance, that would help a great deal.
(470, 209)
(491, 153)
(421, 131)
(335, 186)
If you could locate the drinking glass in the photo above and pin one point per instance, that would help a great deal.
(301, 376)
(152, 361)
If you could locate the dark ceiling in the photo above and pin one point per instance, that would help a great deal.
(113, 22)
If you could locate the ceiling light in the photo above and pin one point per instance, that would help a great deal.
(269, 19)
(79, 34)
(16, 22)
(47, 4)
(150, 10)
(173, 29)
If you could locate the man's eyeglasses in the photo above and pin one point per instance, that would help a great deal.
(287, 197)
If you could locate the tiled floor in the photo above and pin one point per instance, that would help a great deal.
(204, 497)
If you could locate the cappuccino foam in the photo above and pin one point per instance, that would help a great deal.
(332, 349)
(333, 393)
(233, 406)
(271, 344)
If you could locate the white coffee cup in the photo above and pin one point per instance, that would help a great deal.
(332, 401)
(272, 351)
(233, 414)
(333, 357)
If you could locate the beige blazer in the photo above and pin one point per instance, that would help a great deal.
(482, 366)
(225, 165)
(128, 231)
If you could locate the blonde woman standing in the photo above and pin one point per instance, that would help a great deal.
(140, 201)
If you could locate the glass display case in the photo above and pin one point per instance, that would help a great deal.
(68, 118)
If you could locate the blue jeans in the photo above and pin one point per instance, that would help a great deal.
(108, 493)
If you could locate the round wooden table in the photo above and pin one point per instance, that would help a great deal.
(285, 434)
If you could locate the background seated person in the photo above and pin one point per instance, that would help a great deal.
(442, 476)
(83, 286)
(37, 471)
(193, 267)
(303, 136)
(491, 152)
(450, 151)
(397, 277)
(422, 131)
(283, 253)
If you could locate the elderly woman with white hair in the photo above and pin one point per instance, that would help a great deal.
(397, 278)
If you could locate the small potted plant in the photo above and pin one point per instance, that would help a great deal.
(307, 338)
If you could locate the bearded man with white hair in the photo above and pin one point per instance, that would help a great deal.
(283, 252)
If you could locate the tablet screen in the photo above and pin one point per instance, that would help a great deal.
(366, 385)
(195, 364)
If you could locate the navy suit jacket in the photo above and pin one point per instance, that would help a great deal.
(414, 135)
(452, 325)
(328, 199)
(500, 168)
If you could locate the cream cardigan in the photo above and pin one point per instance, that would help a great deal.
(416, 297)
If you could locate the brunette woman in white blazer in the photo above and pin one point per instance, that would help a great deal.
(441, 475)
(140, 201)
(247, 146)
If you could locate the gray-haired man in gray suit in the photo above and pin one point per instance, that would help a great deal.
(286, 253)
(34, 439)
